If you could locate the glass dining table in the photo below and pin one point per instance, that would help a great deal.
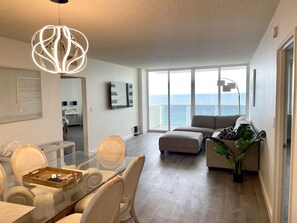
(54, 189)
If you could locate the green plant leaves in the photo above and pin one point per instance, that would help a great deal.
(246, 136)
(245, 132)
(225, 151)
(242, 145)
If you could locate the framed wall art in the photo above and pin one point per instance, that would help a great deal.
(20, 95)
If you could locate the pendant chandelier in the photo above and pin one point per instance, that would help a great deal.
(56, 49)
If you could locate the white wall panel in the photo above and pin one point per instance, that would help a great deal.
(263, 114)
(101, 120)
(15, 54)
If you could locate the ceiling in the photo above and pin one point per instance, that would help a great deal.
(150, 34)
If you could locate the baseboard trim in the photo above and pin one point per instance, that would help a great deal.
(128, 136)
(264, 192)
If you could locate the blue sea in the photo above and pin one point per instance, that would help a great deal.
(206, 104)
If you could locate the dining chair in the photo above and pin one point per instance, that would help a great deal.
(27, 158)
(109, 158)
(131, 178)
(104, 205)
(15, 194)
(110, 154)
(22, 195)
(3, 182)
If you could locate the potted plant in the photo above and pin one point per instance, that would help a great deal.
(245, 137)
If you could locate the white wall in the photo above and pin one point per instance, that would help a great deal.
(262, 115)
(17, 54)
(101, 121)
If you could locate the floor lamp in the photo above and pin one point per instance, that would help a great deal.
(228, 87)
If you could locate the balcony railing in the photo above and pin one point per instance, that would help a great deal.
(180, 115)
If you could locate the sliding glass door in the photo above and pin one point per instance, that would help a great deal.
(158, 100)
(206, 91)
(180, 98)
(233, 100)
(175, 95)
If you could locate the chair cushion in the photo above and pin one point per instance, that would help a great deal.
(71, 218)
(82, 204)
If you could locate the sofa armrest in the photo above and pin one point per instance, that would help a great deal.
(251, 161)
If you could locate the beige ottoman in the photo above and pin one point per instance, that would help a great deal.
(181, 141)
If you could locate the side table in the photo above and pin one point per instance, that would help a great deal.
(50, 147)
(57, 146)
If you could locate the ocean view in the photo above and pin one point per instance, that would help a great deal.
(206, 104)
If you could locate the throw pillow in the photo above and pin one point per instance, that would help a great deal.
(227, 134)
(239, 121)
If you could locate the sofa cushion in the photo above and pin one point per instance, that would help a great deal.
(204, 131)
(225, 121)
(203, 121)
(187, 129)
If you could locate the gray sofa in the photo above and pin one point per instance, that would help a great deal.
(208, 125)
(251, 160)
(211, 126)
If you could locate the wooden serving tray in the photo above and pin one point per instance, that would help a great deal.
(66, 178)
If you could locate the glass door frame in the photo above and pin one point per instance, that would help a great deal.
(280, 124)
(193, 104)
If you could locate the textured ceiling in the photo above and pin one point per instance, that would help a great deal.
(150, 33)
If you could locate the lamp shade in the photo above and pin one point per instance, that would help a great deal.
(220, 82)
(56, 49)
(232, 85)
(226, 88)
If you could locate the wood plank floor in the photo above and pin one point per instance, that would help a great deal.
(179, 188)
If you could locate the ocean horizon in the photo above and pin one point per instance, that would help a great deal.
(205, 104)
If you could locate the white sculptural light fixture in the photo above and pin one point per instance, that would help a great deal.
(56, 49)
